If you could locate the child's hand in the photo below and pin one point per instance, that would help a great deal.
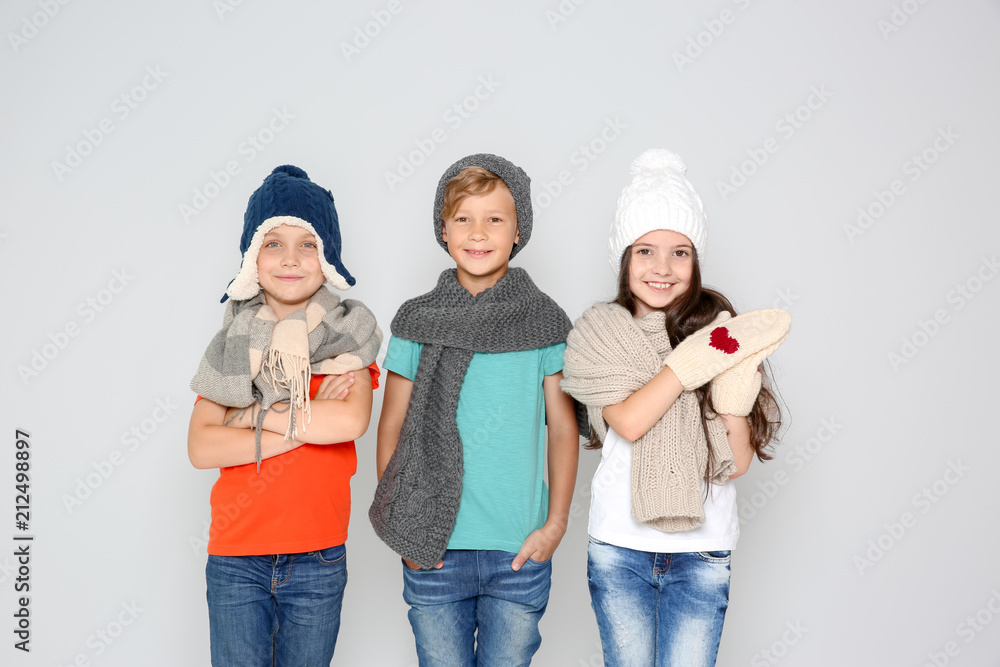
(413, 566)
(726, 342)
(539, 545)
(335, 386)
(735, 391)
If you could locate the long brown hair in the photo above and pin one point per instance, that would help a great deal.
(693, 310)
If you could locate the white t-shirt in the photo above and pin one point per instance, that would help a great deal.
(611, 517)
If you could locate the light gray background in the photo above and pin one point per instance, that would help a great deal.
(875, 436)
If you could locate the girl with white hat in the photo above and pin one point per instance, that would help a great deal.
(679, 408)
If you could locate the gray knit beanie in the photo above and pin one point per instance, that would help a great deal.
(517, 182)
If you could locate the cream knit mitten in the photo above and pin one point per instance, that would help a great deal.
(735, 391)
(726, 342)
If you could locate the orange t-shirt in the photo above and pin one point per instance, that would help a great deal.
(299, 501)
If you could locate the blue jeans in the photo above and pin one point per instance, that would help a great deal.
(476, 610)
(663, 609)
(275, 610)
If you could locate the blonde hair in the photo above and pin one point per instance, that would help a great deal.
(470, 182)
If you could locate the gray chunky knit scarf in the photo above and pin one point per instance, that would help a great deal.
(417, 499)
(256, 359)
(609, 356)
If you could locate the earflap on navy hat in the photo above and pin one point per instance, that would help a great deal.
(288, 197)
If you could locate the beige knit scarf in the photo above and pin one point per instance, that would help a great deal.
(609, 356)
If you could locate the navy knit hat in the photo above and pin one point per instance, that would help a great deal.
(517, 182)
(288, 197)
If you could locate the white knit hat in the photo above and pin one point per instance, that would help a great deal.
(659, 197)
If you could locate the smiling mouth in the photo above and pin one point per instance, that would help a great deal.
(289, 279)
(478, 253)
(659, 287)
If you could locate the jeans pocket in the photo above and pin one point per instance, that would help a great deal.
(541, 563)
(715, 556)
(331, 555)
(411, 569)
(594, 540)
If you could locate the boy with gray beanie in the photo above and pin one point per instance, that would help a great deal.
(473, 384)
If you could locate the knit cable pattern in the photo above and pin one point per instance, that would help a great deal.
(610, 356)
(417, 499)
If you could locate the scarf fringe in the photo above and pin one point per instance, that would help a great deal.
(292, 372)
(257, 361)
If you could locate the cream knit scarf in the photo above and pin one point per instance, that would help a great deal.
(256, 359)
(610, 355)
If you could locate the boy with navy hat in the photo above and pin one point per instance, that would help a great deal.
(281, 407)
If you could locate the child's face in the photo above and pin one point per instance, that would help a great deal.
(660, 269)
(480, 234)
(288, 268)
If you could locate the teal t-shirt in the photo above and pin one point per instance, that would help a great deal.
(501, 420)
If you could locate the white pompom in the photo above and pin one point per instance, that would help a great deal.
(658, 159)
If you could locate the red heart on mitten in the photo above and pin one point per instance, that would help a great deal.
(721, 340)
